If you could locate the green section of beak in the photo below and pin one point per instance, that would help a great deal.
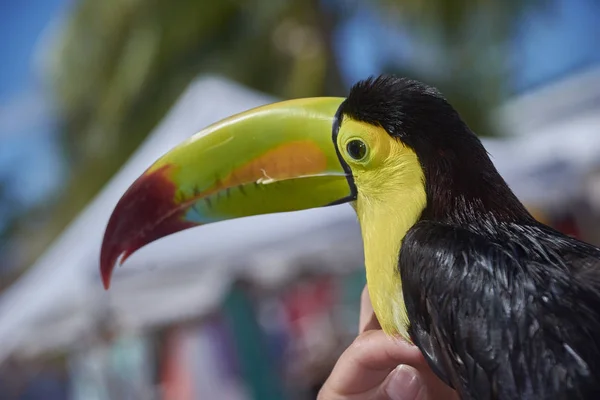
(275, 158)
(280, 157)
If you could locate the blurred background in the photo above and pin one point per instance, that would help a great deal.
(91, 92)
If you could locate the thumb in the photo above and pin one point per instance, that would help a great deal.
(404, 383)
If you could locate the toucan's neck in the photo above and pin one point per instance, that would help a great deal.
(387, 209)
(470, 191)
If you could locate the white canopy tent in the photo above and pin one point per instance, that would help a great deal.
(61, 298)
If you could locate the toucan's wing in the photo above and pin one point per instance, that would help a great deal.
(513, 314)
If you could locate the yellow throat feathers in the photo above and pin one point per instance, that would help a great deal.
(391, 197)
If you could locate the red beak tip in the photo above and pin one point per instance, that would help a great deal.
(146, 212)
(106, 274)
(106, 270)
(106, 283)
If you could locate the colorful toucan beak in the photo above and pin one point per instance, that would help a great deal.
(276, 158)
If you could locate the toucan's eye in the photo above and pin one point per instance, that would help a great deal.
(357, 149)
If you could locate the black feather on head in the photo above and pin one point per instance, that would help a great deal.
(461, 181)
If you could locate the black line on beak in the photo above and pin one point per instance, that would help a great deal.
(337, 123)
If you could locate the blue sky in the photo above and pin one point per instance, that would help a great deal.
(29, 155)
(546, 46)
(22, 24)
(561, 40)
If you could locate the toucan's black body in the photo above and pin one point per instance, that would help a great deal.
(510, 311)
(502, 307)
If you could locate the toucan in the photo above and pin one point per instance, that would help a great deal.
(501, 305)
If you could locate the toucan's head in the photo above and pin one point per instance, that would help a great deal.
(394, 148)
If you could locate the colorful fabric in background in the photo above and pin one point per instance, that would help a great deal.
(89, 377)
(121, 370)
(257, 369)
(274, 323)
(199, 364)
(131, 360)
(257, 346)
(309, 310)
(214, 363)
(176, 377)
(307, 300)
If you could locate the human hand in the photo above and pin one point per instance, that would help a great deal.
(378, 367)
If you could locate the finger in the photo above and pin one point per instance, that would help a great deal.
(368, 321)
(403, 383)
(368, 361)
(410, 383)
(366, 310)
(372, 325)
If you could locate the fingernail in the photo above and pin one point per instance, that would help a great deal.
(403, 384)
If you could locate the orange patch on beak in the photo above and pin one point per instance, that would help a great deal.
(289, 160)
